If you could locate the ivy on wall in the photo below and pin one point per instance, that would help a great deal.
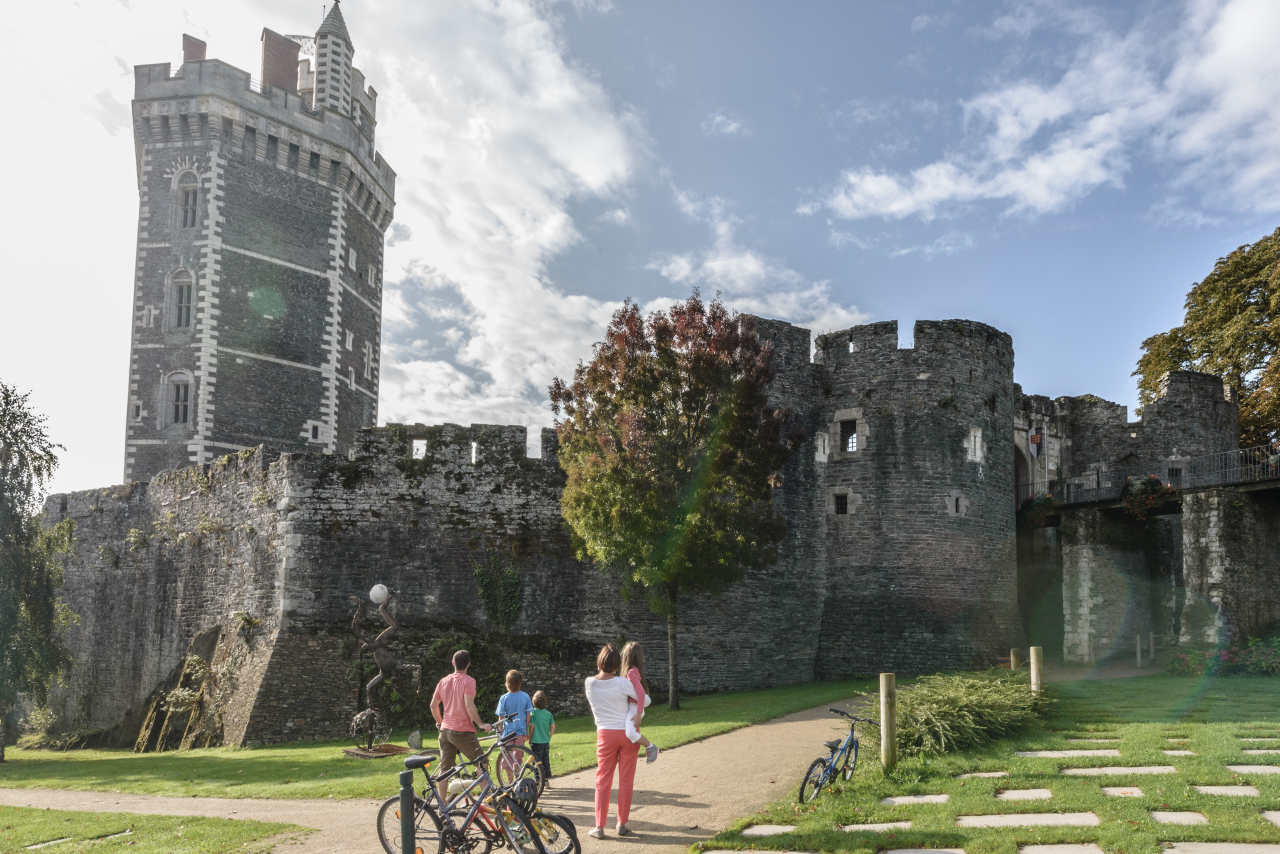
(499, 585)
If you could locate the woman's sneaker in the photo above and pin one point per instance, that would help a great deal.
(650, 754)
(596, 833)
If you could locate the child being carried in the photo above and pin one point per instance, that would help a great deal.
(633, 669)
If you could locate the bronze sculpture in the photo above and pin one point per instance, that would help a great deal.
(370, 727)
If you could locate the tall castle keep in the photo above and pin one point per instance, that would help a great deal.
(258, 286)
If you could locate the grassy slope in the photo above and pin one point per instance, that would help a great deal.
(319, 770)
(1144, 712)
(149, 834)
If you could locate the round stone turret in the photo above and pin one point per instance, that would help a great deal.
(918, 467)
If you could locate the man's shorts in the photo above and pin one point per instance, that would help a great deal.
(453, 742)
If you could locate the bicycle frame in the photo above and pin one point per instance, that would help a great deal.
(833, 763)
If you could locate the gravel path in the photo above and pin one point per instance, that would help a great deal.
(690, 793)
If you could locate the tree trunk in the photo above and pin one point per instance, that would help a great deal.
(4, 726)
(673, 658)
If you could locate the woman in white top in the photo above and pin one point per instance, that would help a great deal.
(608, 695)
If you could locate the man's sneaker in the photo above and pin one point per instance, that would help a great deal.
(650, 754)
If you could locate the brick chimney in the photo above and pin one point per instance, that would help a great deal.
(193, 49)
(280, 61)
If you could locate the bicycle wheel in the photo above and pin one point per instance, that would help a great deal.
(520, 834)
(426, 836)
(849, 763)
(557, 833)
(813, 780)
(518, 763)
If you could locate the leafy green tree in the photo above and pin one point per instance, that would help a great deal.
(1231, 328)
(672, 452)
(31, 617)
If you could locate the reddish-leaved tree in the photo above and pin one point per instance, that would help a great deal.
(672, 452)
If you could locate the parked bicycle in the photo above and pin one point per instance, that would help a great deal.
(515, 762)
(478, 815)
(842, 760)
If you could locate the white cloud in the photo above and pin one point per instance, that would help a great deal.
(617, 216)
(1198, 103)
(724, 124)
(747, 280)
(947, 244)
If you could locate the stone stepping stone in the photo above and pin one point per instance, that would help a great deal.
(1024, 795)
(1255, 769)
(1064, 754)
(1178, 740)
(1093, 740)
(1030, 819)
(1259, 752)
(1179, 753)
(1221, 848)
(926, 851)
(768, 829)
(1122, 791)
(880, 827)
(1062, 848)
(1178, 818)
(1251, 738)
(905, 800)
(1272, 816)
(1119, 769)
(1246, 791)
(979, 774)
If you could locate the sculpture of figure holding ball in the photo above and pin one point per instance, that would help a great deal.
(388, 666)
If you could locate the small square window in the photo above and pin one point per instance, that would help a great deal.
(842, 505)
(315, 432)
(848, 436)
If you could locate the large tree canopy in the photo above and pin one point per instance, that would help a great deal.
(31, 617)
(1231, 328)
(672, 452)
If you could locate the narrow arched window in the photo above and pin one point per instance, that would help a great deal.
(180, 391)
(182, 300)
(188, 195)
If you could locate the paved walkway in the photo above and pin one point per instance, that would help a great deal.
(690, 793)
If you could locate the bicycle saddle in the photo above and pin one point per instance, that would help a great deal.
(831, 745)
(419, 761)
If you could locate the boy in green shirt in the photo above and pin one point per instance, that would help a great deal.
(544, 726)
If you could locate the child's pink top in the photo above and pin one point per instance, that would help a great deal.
(634, 675)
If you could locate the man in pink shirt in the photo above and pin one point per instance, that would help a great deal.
(453, 705)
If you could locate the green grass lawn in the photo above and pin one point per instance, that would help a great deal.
(1144, 712)
(320, 770)
(142, 834)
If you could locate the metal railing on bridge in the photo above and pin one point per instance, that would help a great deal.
(1247, 465)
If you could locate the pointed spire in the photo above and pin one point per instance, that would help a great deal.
(334, 25)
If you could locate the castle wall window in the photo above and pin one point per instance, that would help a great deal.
(335, 171)
(368, 360)
(351, 339)
(294, 154)
(273, 149)
(975, 451)
(166, 133)
(182, 300)
(848, 436)
(251, 142)
(313, 166)
(842, 505)
(189, 193)
(181, 397)
(351, 258)
(204, 127)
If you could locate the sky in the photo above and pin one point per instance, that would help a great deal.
(1062, 171)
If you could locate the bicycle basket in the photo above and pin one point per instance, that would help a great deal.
(525, 792)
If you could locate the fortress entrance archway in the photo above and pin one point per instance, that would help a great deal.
(1039, 571)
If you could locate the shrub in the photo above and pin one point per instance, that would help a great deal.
(945, 713)
(1035, 512)
(1258, 657)
(1143, 495)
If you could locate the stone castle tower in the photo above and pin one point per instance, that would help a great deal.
(263, 203)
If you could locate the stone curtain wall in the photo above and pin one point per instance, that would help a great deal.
(1231, 552)
(921, 571)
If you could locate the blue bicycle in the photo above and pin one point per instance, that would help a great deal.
(842, 760)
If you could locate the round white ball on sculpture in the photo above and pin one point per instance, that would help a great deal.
(378, 594)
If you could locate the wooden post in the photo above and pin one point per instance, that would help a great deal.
(1015, 659)
(1138, 647)
(1151, 646)
(888, 722)
(1037, 670)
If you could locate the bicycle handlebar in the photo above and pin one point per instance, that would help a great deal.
(852, 718)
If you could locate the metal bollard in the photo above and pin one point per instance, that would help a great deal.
(888, 722)
(406, 813)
